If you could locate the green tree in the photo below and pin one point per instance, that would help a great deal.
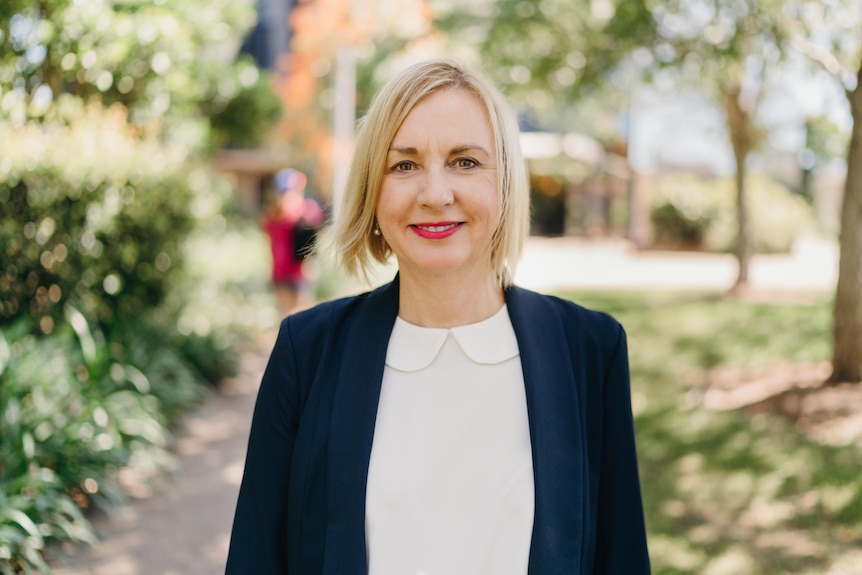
(550, 50)
(547, 55)
(132, 96)
(171, 63)
(555, 51)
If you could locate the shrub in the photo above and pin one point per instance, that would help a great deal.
(212, 355)
(93, 372)
(92, 215)
(96, 201)
(245, 120)
(70, 416)
(689, 211)
(75, 408)
(672, 227)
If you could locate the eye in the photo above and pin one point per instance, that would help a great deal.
(466, 163)
(403, 166)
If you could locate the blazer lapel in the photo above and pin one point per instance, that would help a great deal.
(354, 413)
(556, 433)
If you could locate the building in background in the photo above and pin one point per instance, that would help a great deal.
(270, 38)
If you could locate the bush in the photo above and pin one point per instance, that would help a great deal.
(93, 371)
(245, 120)
(91, 216)
(213, 357)
(75, 408)
(70, 416)
(96, 201)
(687, 211)
(672, 227)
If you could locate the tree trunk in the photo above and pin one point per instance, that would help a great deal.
(742, 139)
(847, 326)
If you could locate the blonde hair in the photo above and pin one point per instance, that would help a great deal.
(351, 238)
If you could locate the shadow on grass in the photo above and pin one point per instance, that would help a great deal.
(736, 492)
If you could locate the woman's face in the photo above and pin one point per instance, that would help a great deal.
(439, 204)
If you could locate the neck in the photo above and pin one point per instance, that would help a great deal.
(449, 301)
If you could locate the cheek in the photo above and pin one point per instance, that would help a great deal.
(383, 199)
(491, 205)
(388, 204)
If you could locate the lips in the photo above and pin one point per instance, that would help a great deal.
(436, 230)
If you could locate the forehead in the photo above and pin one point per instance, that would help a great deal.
(452, 113)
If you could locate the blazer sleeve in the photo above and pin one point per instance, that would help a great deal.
(621, 547)
(258, 538)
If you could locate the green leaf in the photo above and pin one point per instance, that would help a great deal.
(5, 353)
(85, 336)
(19, 517)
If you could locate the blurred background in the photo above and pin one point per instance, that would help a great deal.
(695, 170)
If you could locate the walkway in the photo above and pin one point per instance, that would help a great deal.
(559, 263)
(184, 528)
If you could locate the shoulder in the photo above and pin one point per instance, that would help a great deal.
(572, 315)
(594, 333)
(312, 325)
(351, 329)
(322, 316)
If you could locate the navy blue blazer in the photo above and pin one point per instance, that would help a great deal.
(301, 506)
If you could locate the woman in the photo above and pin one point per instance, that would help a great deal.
(448, 422)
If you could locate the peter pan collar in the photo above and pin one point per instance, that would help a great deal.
(488, 342)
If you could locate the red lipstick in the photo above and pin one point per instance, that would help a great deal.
(436, 230)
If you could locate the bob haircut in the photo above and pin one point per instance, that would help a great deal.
(351, 238)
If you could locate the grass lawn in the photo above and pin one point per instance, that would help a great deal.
(733, 492)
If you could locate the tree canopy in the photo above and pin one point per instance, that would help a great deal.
(170, 63)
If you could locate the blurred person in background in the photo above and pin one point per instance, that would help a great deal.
(290, 221)
(448, 422)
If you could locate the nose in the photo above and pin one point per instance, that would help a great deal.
(437, 192)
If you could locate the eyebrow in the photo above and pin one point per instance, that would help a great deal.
(410, 151)
(404, 150)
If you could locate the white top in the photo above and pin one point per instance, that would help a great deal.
(450, 483)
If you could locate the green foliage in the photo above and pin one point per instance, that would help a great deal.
(689, 211)
(549, 54)
(34, 511)
(70, 416)
(674, 225)
(91, 216)
(243, 121)
(212, 356)
(161, 60)
(93, 224)
(157, 352)
(74, 409)
(544, 54)
(105, 116)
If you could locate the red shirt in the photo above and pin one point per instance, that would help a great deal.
(284, 266)
(280, 231)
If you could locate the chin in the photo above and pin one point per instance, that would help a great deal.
(450, 266)
(439, 266)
